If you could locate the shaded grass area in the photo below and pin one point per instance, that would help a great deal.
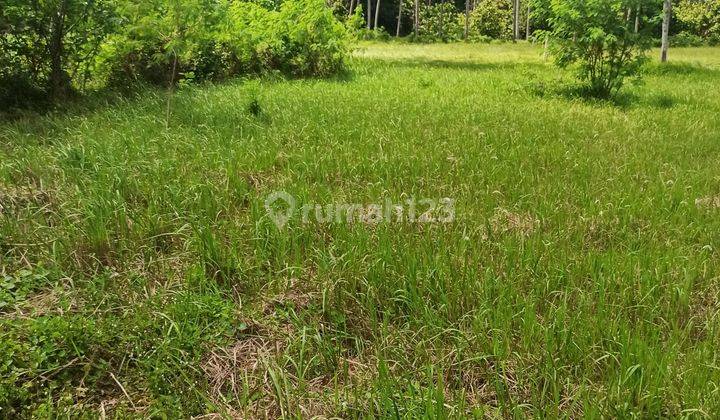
(142, 276)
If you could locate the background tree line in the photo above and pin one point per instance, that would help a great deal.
(52, 49)
(695, 22)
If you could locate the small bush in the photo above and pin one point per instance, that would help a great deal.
(686, 39)
(379, 34)
(481, 39)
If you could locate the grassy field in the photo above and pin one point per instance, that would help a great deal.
(142, 276)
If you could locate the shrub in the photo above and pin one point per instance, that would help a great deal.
(378, 34)
(686, 39)
(598, 36)
(315, 41)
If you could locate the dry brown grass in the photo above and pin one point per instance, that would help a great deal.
(505, 221)
(710, 202)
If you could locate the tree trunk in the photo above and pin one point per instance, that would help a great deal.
(466, 34)
(516, 19)
(527, 24)
(637, 20)
(417, 18)
(351, 10)
(397, 31)
(442, 25)
(377, 13)
(59, 80)
(369, 15)
(667, 13)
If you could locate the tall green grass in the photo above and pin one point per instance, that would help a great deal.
(142, 275)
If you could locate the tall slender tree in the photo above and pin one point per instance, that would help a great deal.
(377, 14)
(417, 18)
(369, 15)
(399, 21)
(665, 45)
(441, 22)
(516, 19)
(527, 22)
(466, 34)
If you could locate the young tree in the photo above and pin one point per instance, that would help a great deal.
(540, 11)
(167, 32)
(665, 44)
(597, 36)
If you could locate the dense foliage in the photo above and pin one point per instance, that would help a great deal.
(44, 44)
(59, 46)
(440, 22)
(695, 22)
(702, 19)
(493, 19)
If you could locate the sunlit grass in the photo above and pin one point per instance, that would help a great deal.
(579, 278)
